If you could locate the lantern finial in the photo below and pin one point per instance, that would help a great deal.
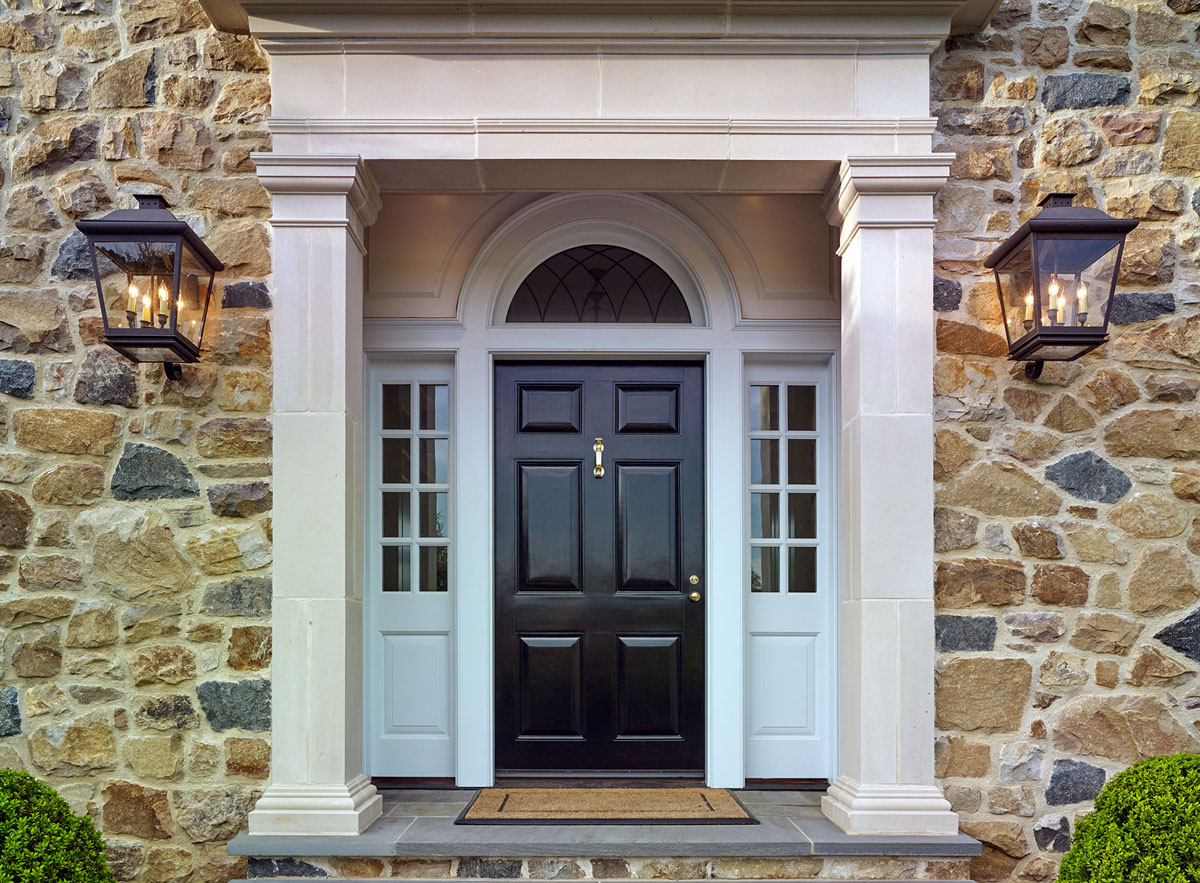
(1057, 200)
(151, 200)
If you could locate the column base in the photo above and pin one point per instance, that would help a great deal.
(888, 809)
(317, 809)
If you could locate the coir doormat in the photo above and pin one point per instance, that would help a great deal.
(605, 806)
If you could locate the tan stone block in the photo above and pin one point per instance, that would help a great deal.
(1109, 388)
(118, 140)
(763, 868)
(148, 19)
(45, 699)
(174, 140)
(155, 757)
(958, 78)
(205, 758)
(1151, 667)
(1027, 445)
(214, 865)
(1026, 404)
(239, 339)
(1045, 47)
(69, 484)
(1158, 434)
(1108, 591)
(1039, 539)
(227, 52)
(1185, 483)
(160, 663)
(963, 799)
(1008, 837)
(195, 389)
(1163, 581)
(245, 249)
(1036, 625)
(66, 430)
(230, 549)
(998, 488)
(1130, 128)
(167, 865)
(1061, 584)
(956, 757)
(1105, 633)
(985, 693)
(1067, 415)
(1069, 142)
(139, 549)
(25, 611)
(1150, 516)
(1095, 544)
(243, 102)
(248, 757)
(1145, 200)
(953, 530)
(243, 390)
(94, 624)
(669, 869)
(187, 90)
(80, 747)
(15, 518)
(235, 197)
(234, 437)
(29, 209)
(54, 145)
(1011, 800)
(1062, 670)
(56, 572)
(1126, 729)
(249, 648)
(1038, 869)
(35, 653)
(439, 869)
(1149, 257)
(981, 162)
(169, 425)
(967, 582)
(1108, 673)
(961, 337)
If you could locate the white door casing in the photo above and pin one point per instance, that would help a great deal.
(478, 336)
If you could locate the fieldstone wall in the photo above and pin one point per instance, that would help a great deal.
(1067, 524)
(135, 531)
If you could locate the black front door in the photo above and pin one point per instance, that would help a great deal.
(599, 648)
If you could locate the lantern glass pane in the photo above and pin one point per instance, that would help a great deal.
(140, 295)
(1017, 294)
(1076, 276)
(195, 281)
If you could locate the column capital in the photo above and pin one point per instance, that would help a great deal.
(319, 175)
(908, 183)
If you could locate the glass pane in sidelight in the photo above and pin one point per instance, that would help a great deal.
(435, 460)
(435, 406)
(396, 515)
(802, 461)
(397, 460)
(802, 408)
(802, 516)
(802, 569)
(434, 569)
(764, 408)
(764, 461)
(764, 516)
(397, 406)
(397, 568)
(764, 569)
(434, 516)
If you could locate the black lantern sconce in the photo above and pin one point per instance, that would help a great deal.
(1056, 277)
(157, 313)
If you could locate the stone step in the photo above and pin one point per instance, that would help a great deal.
(627, 880)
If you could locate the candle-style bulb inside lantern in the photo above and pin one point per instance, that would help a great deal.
(1081, 306)
(133, 298)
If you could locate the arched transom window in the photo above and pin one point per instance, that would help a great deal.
(598, 283)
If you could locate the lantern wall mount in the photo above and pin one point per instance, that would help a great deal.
(154, 279)
(1055, 278)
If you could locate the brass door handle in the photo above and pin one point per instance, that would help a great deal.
(598, 447)
(694, 596)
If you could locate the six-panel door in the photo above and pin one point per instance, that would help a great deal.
(599, 647)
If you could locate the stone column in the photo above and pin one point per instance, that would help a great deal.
(884, 208)
(321, 206)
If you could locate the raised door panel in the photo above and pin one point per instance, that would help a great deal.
(550, 548)
(783, 685)
(649, 674)
(648, 527)
(417, 688)
(549, 408)
(645, 408)
(549, 676)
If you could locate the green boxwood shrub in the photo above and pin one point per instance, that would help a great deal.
(1145, 828)
(41, 840)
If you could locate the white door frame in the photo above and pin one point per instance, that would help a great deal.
(721, 339)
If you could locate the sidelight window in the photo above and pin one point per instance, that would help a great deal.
(783, 487)
(414, 487)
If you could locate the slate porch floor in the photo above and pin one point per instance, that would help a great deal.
(421, 823)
